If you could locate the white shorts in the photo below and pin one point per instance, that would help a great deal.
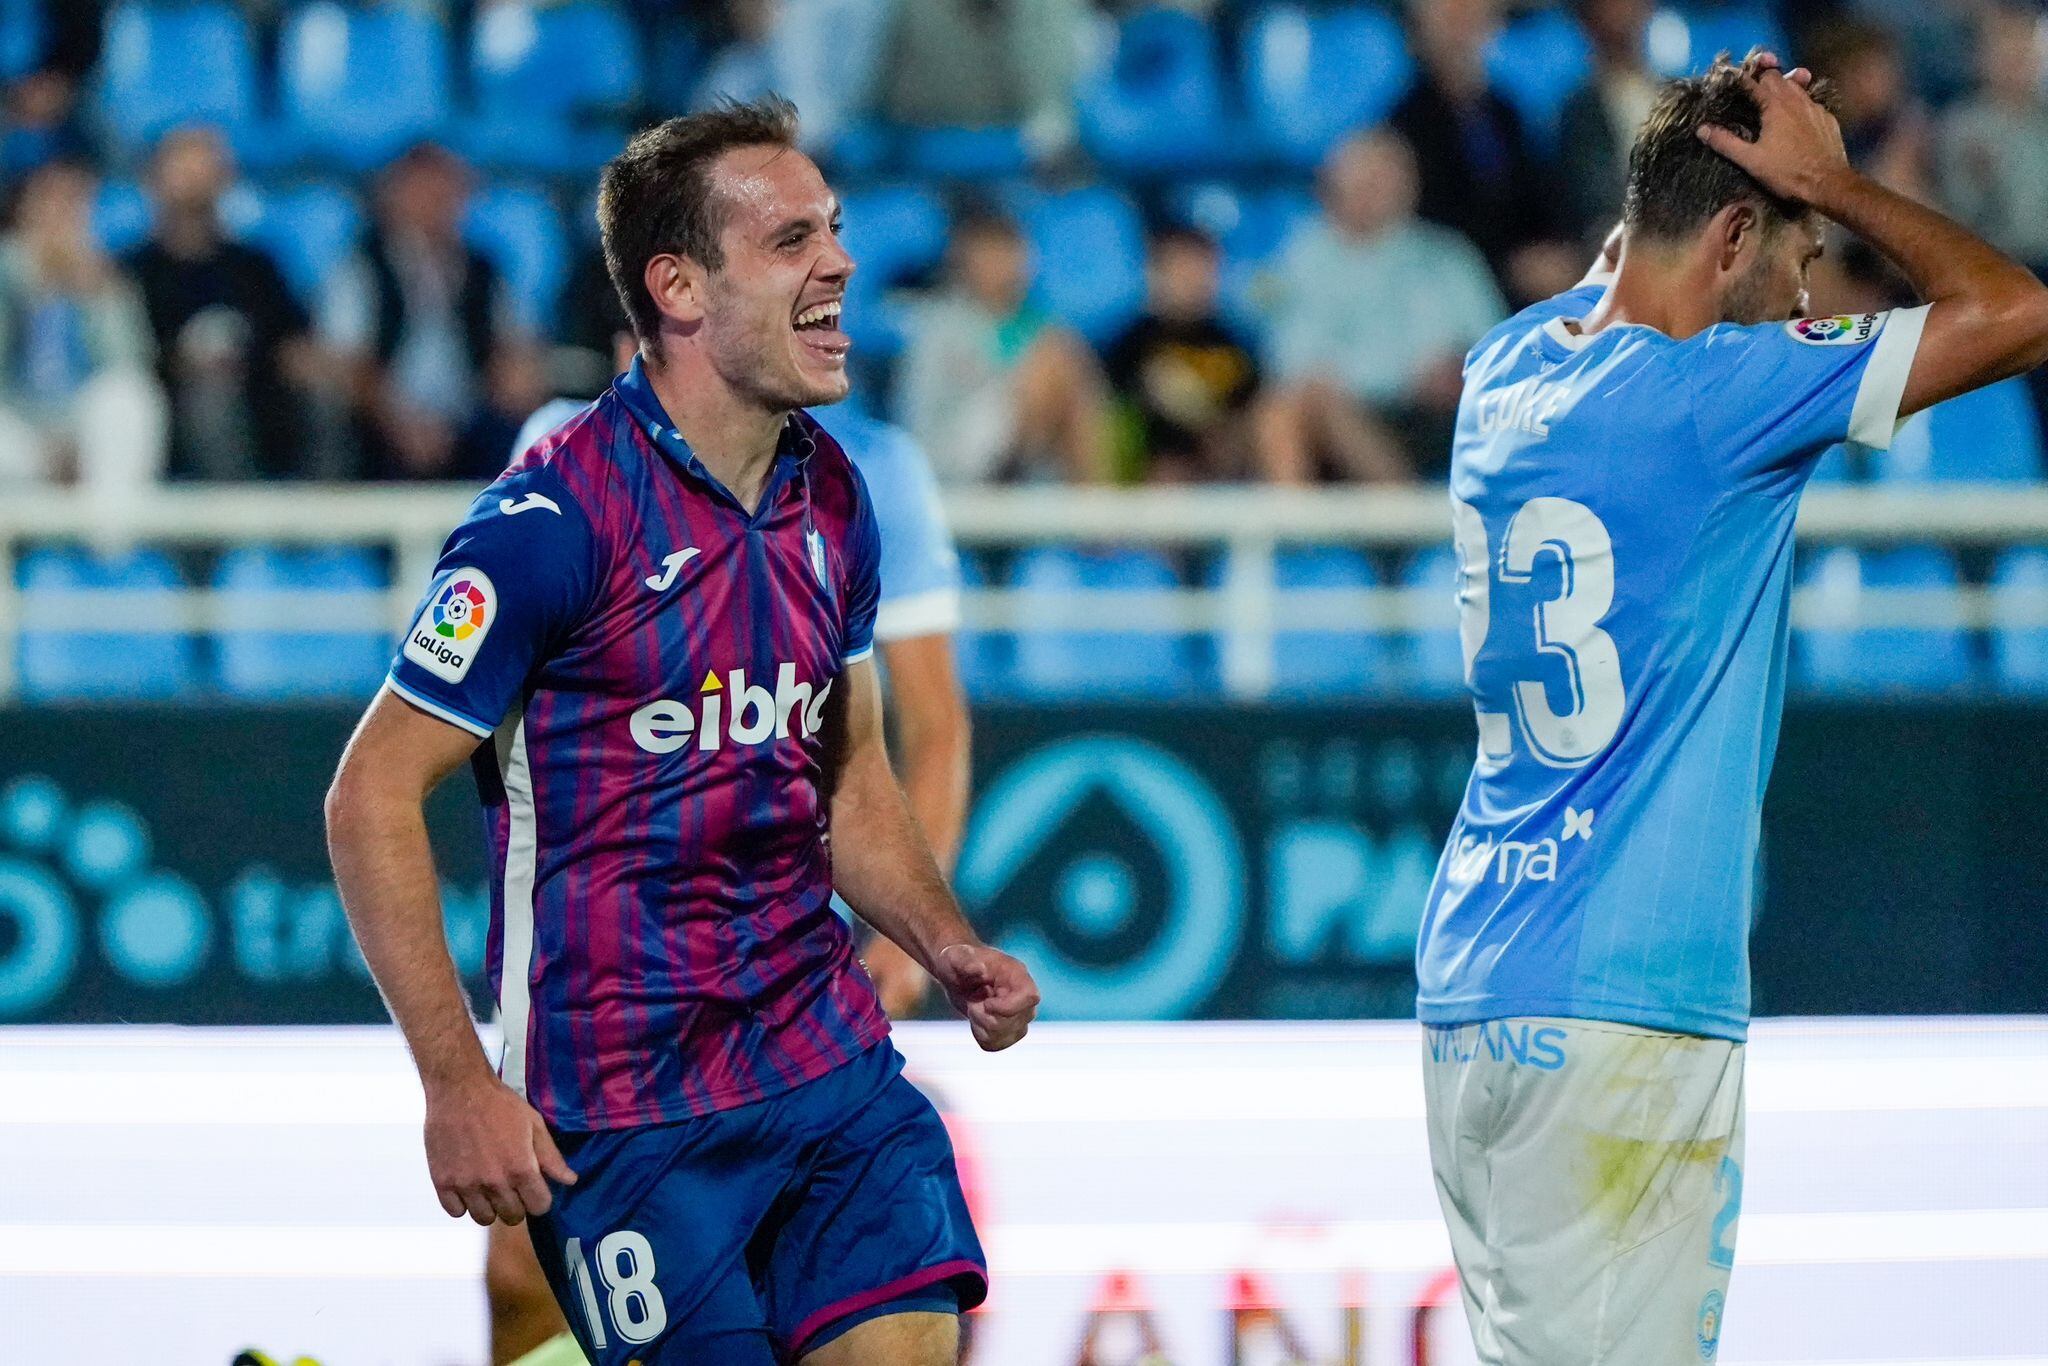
(1591, 1175)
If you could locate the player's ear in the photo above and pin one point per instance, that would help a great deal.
(676, 284)
(1734, 230)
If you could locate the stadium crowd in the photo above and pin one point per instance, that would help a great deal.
(295, 239)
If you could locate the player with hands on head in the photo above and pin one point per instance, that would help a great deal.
(1624, 479)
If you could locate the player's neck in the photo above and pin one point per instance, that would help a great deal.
(731, 435)
(1661, 289)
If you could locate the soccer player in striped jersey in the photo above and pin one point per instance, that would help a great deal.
(659, 621)
(1627, 465)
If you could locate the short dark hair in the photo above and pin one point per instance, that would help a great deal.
(655, 197)
(1166, 236)
(1675, 181)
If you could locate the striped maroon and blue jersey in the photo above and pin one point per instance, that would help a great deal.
(650, 663)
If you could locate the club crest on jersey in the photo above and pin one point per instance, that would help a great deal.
(1843, 329)
(445, 639)
(815, 544)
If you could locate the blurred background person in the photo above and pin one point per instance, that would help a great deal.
(1183, 377)
(990, 385)
(40, 115)
(986, 64)
(1479, 172)
(1374, 311)
(1885, 128)
(1993, 162)
(1598, 123)
(234, 347)
(440, 377)
(78, 400)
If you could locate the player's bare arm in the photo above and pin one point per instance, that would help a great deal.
(488, 1152)
(1988, 317)
(884, 869)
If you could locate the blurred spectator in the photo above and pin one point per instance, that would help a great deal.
(989, 383)
(1599, 121)
(1994, 145)
(39, 105)
(821, 54)
(1185, 379)
(1886, 132)
(1479, 173)
(744, 65)
(77, 398)
(439, 376)
(233, 345)
(986, 63)
(1375, 311)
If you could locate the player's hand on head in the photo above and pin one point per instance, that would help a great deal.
(1800, 146)
(993, 990)
(490, 1154)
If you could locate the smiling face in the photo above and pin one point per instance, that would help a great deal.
(770, 311)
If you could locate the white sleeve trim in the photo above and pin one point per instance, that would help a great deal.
(439, 712)
(857, 656)
(1875, 417)
(934, 612)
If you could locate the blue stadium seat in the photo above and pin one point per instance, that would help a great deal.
(518, 228)
(121, 216)
(1090, 256)
(959, 153)
(1071, 663)
(22, 36)
(2019, 654)
(1252, 226)
(1991, 435)
(85, 659)
(308, 229)
(1310, 77)
(1880, 659)
(1322, 663)
(986, 659)
(1685, 39)
(359, 84)
(1157, 104)
(256, 659)
(1536, 62)
(895, 233)
(1436, 658)
(170, 64)
(553, 84)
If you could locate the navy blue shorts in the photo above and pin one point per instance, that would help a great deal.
(751, 1236)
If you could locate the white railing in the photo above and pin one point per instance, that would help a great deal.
(1245, 608)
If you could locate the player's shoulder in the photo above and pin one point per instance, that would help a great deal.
(1524, 326)
(886, 455)
(837, 490)
(1834, 330)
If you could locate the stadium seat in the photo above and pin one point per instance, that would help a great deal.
(1252, 227)
(1685, 39)
(1076, 663)
(895, 233)
(958, 153)
(518, 228)
(2019, 653)
(171, 64)
(308, 229)
(257, 659)
(553, 84)
(121, 216)
(1990, 435)
(1435, 665)
(1156, 105)
(86, 659)
(360, 83)
(1536, 62)
(986, 659)
(1840, 657)
(1325, 663)
(1090, 256)
(1310, 77)
(22, 36)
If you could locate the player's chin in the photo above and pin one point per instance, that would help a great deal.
(820, 358)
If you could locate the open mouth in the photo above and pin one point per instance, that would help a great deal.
(818, 327)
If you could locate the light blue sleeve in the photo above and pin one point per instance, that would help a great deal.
(920, 568)
(1775, 396)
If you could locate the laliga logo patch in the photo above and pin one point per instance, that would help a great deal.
(1843, 329)
(445, 639)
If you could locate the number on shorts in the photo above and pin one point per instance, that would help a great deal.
(1729, 1181)
(625, 1262)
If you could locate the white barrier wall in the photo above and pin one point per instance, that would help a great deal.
(169, 1196)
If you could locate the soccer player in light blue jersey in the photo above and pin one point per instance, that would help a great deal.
(1627, 464)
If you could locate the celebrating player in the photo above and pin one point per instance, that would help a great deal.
(661, 619)
(1624, 478)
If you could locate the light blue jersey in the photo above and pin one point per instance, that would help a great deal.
(920, 567)
(1623, 508)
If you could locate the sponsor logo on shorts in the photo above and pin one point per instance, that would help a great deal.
(1844, 329)
(445, 639)
(1516, 1042)
(1709, 1331)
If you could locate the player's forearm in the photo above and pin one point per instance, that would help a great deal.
(882, 866)
(934, 759)
(384, 869)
